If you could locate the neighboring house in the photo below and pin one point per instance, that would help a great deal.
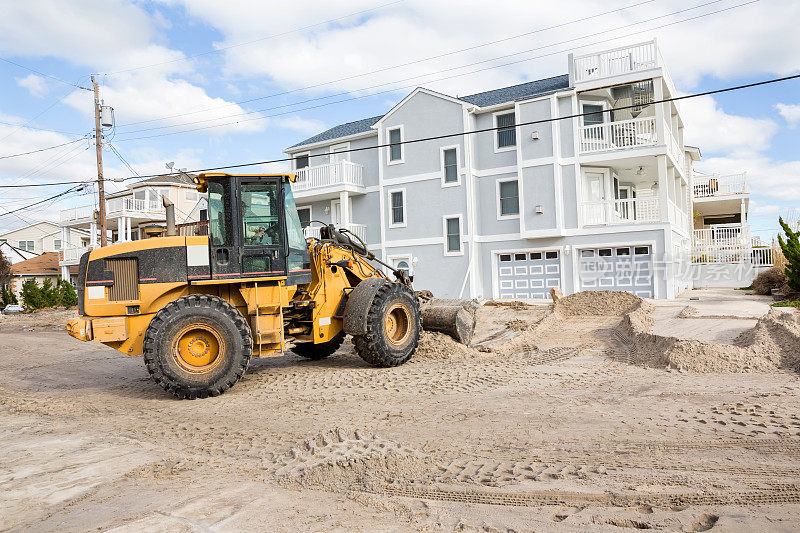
(40, 268)
(725, 253)
(34, 239)
(130, 211)
(602, 201)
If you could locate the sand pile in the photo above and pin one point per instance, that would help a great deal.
(435, 345)
(772, 344)
(598, 303)
(689, 311)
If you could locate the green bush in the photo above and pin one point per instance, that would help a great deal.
(66, 293)
(49, 294)
(791, 251)
(31, 294)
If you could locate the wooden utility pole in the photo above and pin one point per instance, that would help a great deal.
(98, 140)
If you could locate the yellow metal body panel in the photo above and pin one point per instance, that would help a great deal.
(80, 328)
(113, 329)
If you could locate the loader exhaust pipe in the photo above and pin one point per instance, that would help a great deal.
(170, 207)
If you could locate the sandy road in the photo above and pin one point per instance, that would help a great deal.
(554, 437)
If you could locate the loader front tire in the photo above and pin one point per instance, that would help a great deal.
(197, 346)
(318, 351)
(392, 328)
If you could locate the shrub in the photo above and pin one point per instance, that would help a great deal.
(31, 294)
(49, 294)
(791, 251)
(774, 278)
(66, 293)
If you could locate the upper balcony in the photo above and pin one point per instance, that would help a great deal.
(715, 186)
(326, 181)
(618, 65)
(126, 206)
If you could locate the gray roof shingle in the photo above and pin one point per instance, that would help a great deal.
(518, 92)
(342, 130)
(521, 91)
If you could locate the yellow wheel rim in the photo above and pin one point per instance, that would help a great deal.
(398, 324)
(197, 348)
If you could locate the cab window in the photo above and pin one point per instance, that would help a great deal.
(261, 214)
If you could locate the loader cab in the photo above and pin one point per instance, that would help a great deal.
(254, 229)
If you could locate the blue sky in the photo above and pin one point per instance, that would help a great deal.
(165, 64)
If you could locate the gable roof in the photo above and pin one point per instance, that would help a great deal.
(35, 224)
(180, 178)
(342, 130)
(14, 254)
(520, 91)
(42, 265)
(512, 93)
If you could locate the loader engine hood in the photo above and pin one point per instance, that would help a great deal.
(114, 280)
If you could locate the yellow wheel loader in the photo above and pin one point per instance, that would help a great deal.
(198, 308)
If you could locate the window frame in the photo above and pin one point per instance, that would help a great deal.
(331, 151)
(460, 250)
(393, 224)
(57, 244)
(186, 194)
(500, 215)
(389, 160)
(310, 214)
(497, 147)
(408, 258)
(603, 112)
(301, 154)
(459, 169)
(32, 243)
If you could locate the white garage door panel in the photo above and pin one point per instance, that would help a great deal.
(528, 274)
(621, 268)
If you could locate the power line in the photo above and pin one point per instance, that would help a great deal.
(42, 149)
(71, 189)
(223, 48)
(483, 130)
(17, 126)
(383, 69)
(394, 89)
(43, 74)
(458, 134)
(51, 184)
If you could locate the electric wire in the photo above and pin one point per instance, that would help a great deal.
(43, 74)
(394, 89)
(400, 65)
(42, 149)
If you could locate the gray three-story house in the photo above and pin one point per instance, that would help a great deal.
(598, 200)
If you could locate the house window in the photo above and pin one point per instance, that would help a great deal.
(506, 133)
(139, 195)
(26, 245)
(403, 265)
(191, 196)
(301, 161)
(395, 148)
(203, 214)
(398, 206)
(305, 216)
(453, 234)
(450, 165)
(592, 114)
(509, 197)
(56, 244)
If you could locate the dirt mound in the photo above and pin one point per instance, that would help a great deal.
(689, 311)
(774, 343)
(514, 304)
(435, 345)
(598, 303)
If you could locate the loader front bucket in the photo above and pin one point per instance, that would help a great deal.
(454, 317)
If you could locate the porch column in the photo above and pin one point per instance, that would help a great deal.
(661, 109)
(128, 229)
(121, 229)
(663, 188)
(744, 213)
(65, 273)
(64, 237)
(344, 208)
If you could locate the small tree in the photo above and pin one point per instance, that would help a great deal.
(9, 297)
(5, 270)
(32, 294)
(49, 292)
(791, 251)
(66, 293)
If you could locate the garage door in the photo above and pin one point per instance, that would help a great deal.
(623, 268)
(528, 274)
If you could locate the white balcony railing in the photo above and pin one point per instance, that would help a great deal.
(77, 213)
(618, 61)
(728, 243)
(674, 147)
(628, 211)
(359, 229)
(677, 216)
(131, 206)
(339, 173)
(72, 255)
(716, 185)
(619, 135)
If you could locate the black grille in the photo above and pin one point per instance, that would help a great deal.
(81, 281)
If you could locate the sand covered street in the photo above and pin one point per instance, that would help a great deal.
(604, 413)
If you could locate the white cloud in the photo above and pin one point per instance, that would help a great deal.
(713, 130)
(35, 85)
(790, 112)
(301, 125)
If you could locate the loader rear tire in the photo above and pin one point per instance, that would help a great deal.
(315, 352)
(197, 346)
(392, 329)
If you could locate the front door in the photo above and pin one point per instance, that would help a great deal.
(593, 196)
(336, 219)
